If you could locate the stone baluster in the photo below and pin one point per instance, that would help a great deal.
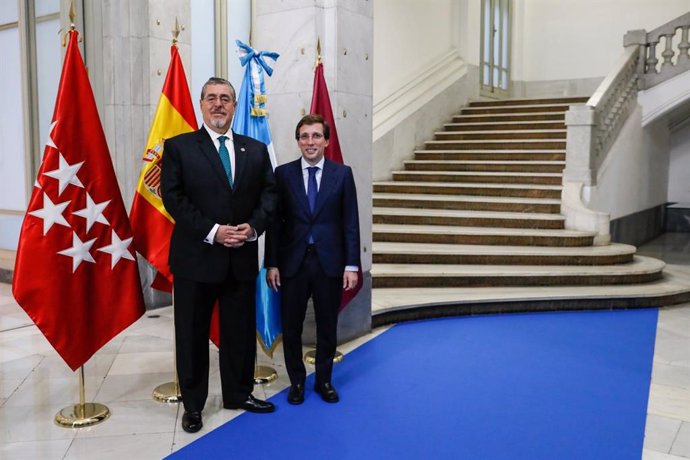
(668, 52)
(683, 47)
(651, 57)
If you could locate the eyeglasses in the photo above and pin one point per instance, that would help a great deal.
(212, 99)
(304, 137)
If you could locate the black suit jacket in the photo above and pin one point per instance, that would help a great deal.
(334, 224)
(197, 195)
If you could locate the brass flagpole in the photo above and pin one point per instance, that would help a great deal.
(262, 374)
(83, 414)
(169, 392)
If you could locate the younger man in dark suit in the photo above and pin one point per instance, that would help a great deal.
(220, 189)
(312, 250)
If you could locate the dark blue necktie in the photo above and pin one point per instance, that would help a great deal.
(225, 158)
(312, 188)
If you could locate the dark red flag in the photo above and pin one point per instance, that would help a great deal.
(76, 274)
(321, 104)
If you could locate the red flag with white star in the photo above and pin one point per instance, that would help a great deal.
(75, 274)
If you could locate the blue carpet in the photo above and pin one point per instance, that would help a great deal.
(566, 385)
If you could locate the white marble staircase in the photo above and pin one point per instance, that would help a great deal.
(473, 224)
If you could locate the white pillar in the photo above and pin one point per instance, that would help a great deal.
(345, 29)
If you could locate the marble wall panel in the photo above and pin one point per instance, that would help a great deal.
(272, 7)
(116, 18)
(354, 34)
(161, 19)
(139, 70)
(108, 71)
(290, 34)
(138, 19)
(121, 65)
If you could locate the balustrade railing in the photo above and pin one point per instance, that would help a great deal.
(593, 127)
(612, 102)
(675, 59)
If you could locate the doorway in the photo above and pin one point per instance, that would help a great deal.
(495, 53)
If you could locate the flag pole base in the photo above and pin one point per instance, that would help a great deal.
(82, 415)
(167, 393)
(264, 374)
(310, 357)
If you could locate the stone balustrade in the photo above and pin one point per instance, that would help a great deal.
(593, 127)
(675, 59)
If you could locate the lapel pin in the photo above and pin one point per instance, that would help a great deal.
(241, 149)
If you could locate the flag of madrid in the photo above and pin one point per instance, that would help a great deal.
(76, 275)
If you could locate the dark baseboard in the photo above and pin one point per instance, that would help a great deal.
(677, 217)
(6, 275)
(640, 227)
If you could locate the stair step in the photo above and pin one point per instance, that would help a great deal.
(489, 165)
(399, 304)
(479, 176)
(509, 135)
(527, 108)
(494, 155)
(548, 101)
(640, 270)
(441, 234)
(505, 125)
(484, 189)
(507, 144)
(461, 254)
(446, 217)
(467, 202)
(532, 116)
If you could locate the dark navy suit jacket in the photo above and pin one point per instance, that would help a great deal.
(334, 225)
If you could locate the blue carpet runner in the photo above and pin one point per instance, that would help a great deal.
(556, 386)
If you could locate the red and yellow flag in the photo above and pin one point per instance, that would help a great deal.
(151, 224)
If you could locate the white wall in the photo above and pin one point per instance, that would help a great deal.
(679, 165)
(634, 175)
(425, 69)
(412, 35)
(576, 39)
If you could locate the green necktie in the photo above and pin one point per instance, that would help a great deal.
(225, 158)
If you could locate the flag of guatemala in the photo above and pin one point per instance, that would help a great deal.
(251, 120)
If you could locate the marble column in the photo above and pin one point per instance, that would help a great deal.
(345, 29)
(128, 53)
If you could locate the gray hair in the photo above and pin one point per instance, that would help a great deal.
(218, 81)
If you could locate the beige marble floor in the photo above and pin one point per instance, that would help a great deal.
(35, 384)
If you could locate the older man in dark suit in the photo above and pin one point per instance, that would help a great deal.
(220, 189)
(312, 250)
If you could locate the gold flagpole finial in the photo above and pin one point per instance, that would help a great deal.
(318, 51)
(72, 26)
(72, 15)
(176, 31)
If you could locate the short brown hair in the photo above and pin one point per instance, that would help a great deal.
(313, 119)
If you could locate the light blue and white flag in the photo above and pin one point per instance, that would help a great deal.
(251, 119)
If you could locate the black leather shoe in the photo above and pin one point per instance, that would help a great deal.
(327, 392)
(191, 421)
(251, 404)
(296, 394)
